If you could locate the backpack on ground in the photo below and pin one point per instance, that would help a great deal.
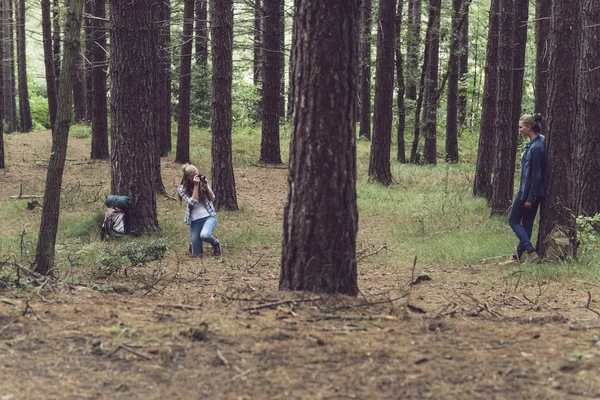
(116, 219)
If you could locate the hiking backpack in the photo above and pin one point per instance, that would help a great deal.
(116, 219)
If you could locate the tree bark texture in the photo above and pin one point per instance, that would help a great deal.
(463, 66)
(44, 256)
(270, 152)
(379, 162)
(10, 104)
(366, 22)
(320, 217)
(185, 78)
(257, 42)
(56, 39)
(503, 181)
(400, 79)
(2, 164)
(431, 84)
(99, 111)
(519, 48)
(453, 78)
(24, 108)
(202, 32)
(158, 107)
(482, 184)
(48, 61)
(290, 105)
(88, 24)
(413, 41)
(163, 93)
(543, 11)
(131, 106)
(587, 144)
(79, 90)
(563, 71)
(281, 54)
(222, 54)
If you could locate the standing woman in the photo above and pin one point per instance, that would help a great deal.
(200, 213)
(531, 190)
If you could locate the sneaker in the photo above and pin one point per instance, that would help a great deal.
(514, 259)
(217, 249)
(531, 257)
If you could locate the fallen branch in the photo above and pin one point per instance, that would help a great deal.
(587, 306)
(123, 347)
(180, 306)
(371, 303)
(26, 196)
(221, 357)
(371, 254)
(269, 166)
(280, 302)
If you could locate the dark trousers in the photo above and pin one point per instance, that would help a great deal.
(521, 221)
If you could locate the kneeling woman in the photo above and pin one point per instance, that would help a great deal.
(531, 189)
(200, 213)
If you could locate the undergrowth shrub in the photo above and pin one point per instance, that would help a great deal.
(132, 254)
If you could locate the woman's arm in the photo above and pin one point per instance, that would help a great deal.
(537, 171)
(209, 193)
(189, 200)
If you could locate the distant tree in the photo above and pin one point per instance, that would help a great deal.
(502, 183)
(24, 108)
(99, 111)
(163, 85)
(2, 166)
(10, 105)
(79, 90)
(482, 184)
(223, 179)
(366, 9)
(56, 38)
(521, 13)
(587, 141)
(463, 67)
(44, 256)
(88, 27)
(400, 78)
(281, 54)
(185, 77)
(202, 32)
(132, 106)
(320, 219)
(413, 40)
(270, 152)
(543, 10)
(48, 61)
(431, 84)
(257, 42)
(379, 161)
(290, 105)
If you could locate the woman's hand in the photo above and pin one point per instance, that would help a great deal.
(197, 180)
(528, 204)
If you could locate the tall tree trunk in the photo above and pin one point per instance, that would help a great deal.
(131, 107)
(2, 166)
(413, 41)
(502, 183)
(521, 13)
(48, 61)
(281, 54)
(157, 136)
(10, 104)
(587, 143)
(163, 89)
(431, 84)
(201, 32)
(79, 90)
(24, 109)
(222, 54)
(56, 39)
(379, 162)
(563, 71)
(44, 256)
(321, 221)
(400, 78)
(88, 64)
(257, 60)
(272, 75)
(543, 11)
(482, 185)
(185, 77)
(453, 70)
(99, 111)
(463, 66)
(366, 19)
(290, 105)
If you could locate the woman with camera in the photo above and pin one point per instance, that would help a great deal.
(200, 213)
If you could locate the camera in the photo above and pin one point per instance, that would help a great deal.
(202, 178)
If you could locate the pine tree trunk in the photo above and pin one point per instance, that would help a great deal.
(88, 65)
(56, 39)
(99, 111)
(79, 90)
(201, 33)
(502, 183)
(564, 68)
(44, 256)
(10, 105)
(2, 166)
(281, 54)
(185, 78)
(519, 48)
(431, 85)
(272, 75)
(587, 143)
(400, 79)
(163, 88)
(290, 104)
(453, 70)
(24, 109)
(366, 19)
(222, 55)
(412, 48)
(482, 185)
(159, 109)
(379, 162)
(463, 66)
(132, 105)
(257, 60)
(543, 11)
(48, 61)
(320, 219)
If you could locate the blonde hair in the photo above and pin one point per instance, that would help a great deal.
(532, 121)
(188, 184)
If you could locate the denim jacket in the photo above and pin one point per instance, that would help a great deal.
(532, 171)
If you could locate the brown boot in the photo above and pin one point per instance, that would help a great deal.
(531, 257)
(514, 259)
(217, 249)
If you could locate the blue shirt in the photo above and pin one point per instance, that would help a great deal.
(532, 171)
(208, 203)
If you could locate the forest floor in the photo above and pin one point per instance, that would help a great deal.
(189, 328)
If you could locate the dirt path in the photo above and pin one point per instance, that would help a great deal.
(221, 329)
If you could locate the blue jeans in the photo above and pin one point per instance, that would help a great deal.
(201, 230)
(521, 221)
